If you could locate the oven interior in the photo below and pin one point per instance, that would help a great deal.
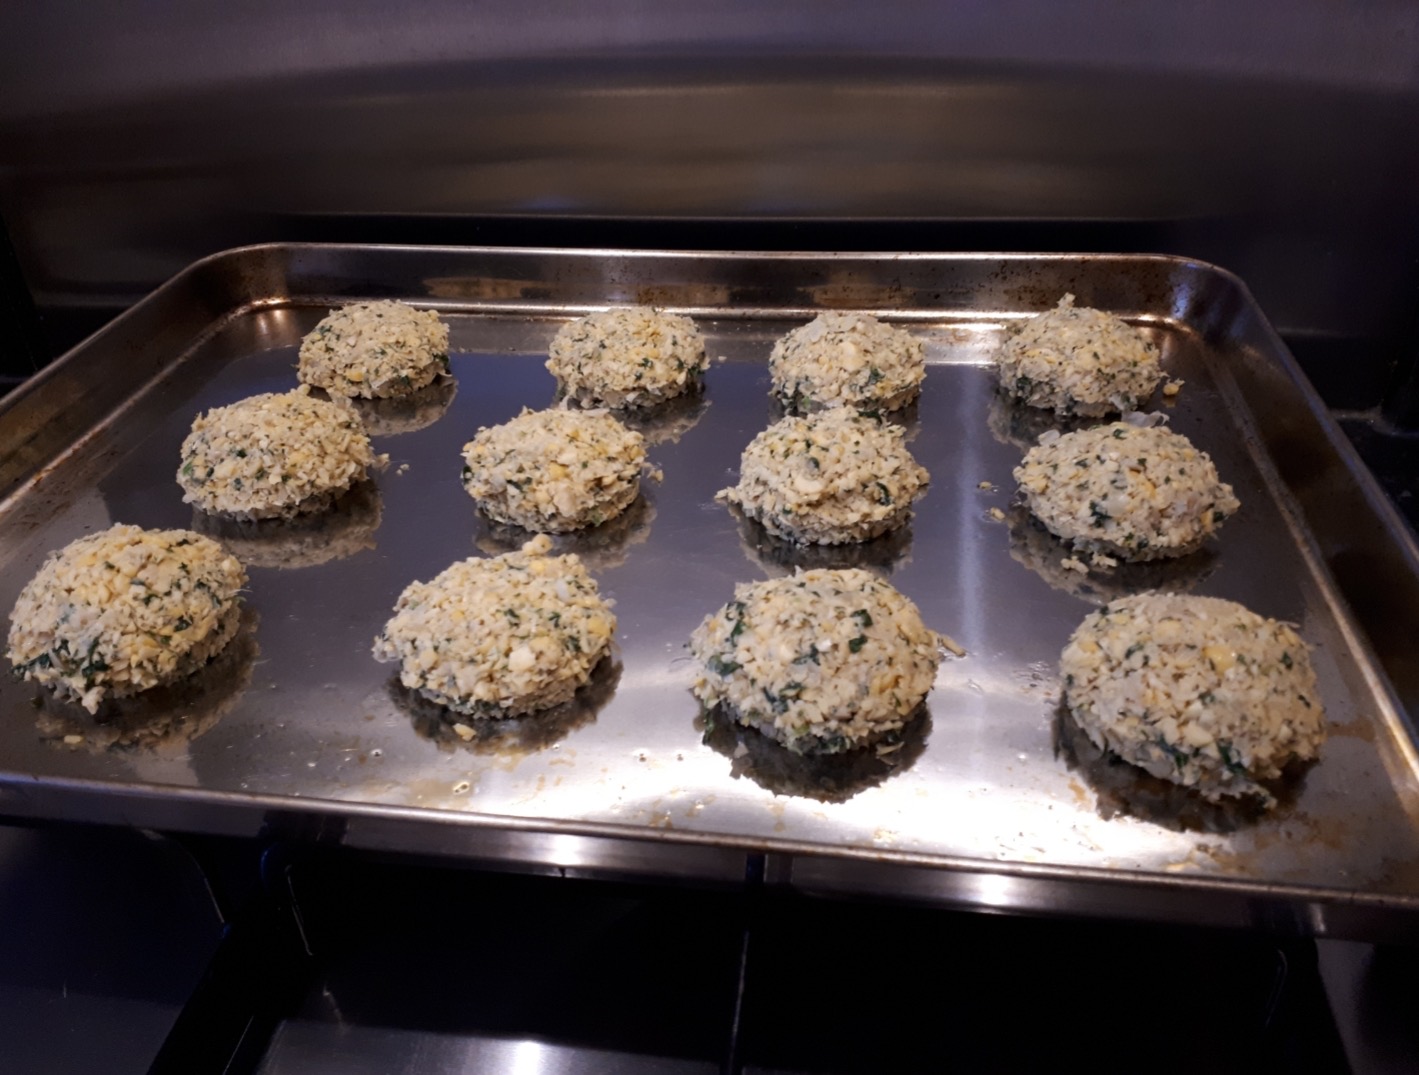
(301, 958)
(130, 149)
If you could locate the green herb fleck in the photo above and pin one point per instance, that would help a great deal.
(42, 661)
(93, 664)
(1180, 757)
(722, 666)
(735, 611)
(1231, 761)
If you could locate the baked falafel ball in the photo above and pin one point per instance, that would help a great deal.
(123, 610)
(274, 456)
(823, 661)
(500, 637)
(1127, 491)
(829, 478)
(375, 350)
(1075, 360)
(627, 357)
(1197, 690)
(847, 360)
(554, 471)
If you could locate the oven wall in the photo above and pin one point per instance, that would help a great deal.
(1276, 140)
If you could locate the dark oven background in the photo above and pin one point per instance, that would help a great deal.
(1277, 141)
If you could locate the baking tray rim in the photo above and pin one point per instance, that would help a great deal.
(277, 806)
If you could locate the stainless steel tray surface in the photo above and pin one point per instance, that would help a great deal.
(991, 803)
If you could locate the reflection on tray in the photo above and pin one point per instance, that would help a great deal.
(406, 414)
(343, 529)
(1015, 423)
(511, 735)
(600, 547)
(162, 720)
(845, 290)
(882, 555)
(1045, 554)
(1124, 789)
(667, 422)
(829, 778)
(908, 417)
(488, 288)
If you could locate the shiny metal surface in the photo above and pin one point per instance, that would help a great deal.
(303, 1049)
(990, 809)
(250, 40)
(135, 140)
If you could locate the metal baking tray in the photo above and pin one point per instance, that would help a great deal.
(991, 804)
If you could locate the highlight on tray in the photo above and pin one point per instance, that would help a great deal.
(823, 661)
(829, 478)
(124, 610)
(500, 637)
(1130, 490)
(375, 350)
(1196, 690)
(627, 358)
(556, 470)
(274, 456)
(1075, 360)
(844, 359)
